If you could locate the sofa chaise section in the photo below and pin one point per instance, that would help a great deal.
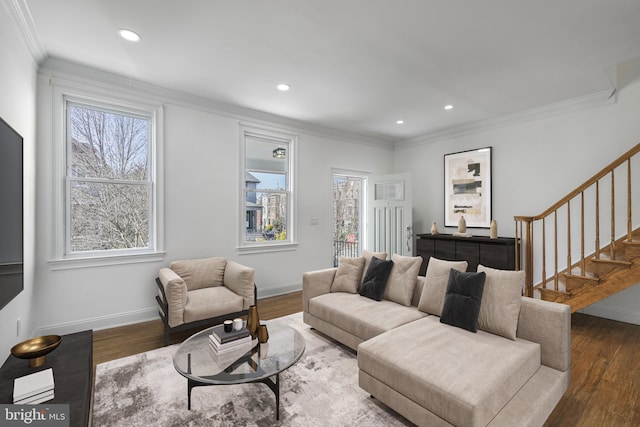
(436, 374)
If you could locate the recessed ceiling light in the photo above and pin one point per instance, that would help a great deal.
(129, 35)
(283, 87)
(448, 107)
(399, 122)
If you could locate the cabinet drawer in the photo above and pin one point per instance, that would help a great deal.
(445, 250)
(469, 252)
(498, 257)
(424, 245)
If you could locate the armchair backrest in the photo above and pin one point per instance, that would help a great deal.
(201, 273)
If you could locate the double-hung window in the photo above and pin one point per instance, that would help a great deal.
(267, 190)
(110, 199)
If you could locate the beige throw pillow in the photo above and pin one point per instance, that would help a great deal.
(501, 301)
(348, 275)
(200, 273)
(435, 284)
(367, 260)
(403, 278)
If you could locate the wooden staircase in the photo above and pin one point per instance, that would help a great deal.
(550, 241)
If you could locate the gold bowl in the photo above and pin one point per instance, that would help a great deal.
(35, 349)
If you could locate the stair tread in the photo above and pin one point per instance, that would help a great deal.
(611, 261)
(553, 291)
(581, 277)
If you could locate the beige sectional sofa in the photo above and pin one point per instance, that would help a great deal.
(511, 372)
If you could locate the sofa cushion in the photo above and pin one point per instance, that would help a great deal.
(376, 279)
(402, 280)
(461, 377)
(435, 286)
(367, 255)
(200, 273)
(348, 275)
(362, 317)
(501, 301)
(211, 302)
(462, 301)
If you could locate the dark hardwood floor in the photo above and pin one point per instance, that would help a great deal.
(110, 344)
(605, 364)
(605, 375)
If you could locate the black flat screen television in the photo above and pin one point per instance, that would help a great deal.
(11, 222)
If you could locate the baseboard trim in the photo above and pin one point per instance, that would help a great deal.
(102, 322)
(279, 290)
(613, 313)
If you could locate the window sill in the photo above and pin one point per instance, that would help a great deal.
(267, 247)
(102, 260)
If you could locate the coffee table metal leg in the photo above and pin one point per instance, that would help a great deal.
(275, 387)
(277, 396)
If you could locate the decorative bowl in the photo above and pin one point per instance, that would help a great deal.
(35, 349)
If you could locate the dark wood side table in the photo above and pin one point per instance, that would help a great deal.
(495, 253)
(72, 364)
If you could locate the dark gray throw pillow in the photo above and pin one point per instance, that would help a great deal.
(462, 300)
(375, 280)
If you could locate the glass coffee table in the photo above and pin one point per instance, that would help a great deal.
(196, 361)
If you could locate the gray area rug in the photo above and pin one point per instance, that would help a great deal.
(320, 390)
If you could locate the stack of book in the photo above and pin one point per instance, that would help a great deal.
(222, 342)
(33, 388)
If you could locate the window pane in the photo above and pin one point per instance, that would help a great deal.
(268, 198)
(269, 180)
(266, 218)
(346, 216)
(109, 216)
(108, 145)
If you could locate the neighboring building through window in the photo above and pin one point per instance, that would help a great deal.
(267, 193)
(348, 214)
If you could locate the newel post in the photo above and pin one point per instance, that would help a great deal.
(526, 262)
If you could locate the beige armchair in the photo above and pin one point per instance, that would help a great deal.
(203, 292)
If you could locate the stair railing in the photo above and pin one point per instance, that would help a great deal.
(535, 243)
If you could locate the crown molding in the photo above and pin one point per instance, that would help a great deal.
(596, 99)
(21, 16)
(64, 69)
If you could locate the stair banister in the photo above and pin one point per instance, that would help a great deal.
(525, 225)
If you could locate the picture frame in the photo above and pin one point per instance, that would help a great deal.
(467, 188)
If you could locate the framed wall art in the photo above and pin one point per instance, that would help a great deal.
(467, 188)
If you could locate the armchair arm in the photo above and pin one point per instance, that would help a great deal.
(316, 283)
(175, 292)
(240, 279)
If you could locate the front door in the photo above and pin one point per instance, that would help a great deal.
(392, 229)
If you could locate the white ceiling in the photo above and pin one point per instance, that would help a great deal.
(355, 65)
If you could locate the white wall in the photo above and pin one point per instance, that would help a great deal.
(17, 107)
(201, 210)
(536, 161)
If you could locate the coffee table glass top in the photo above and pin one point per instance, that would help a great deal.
(196, 360)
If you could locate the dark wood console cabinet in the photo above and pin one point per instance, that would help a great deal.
(72, 364)
(495, 253)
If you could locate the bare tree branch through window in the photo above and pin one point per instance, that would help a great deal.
(108, 179)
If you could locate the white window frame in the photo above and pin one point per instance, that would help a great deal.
(61, 257)
(290, 141)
